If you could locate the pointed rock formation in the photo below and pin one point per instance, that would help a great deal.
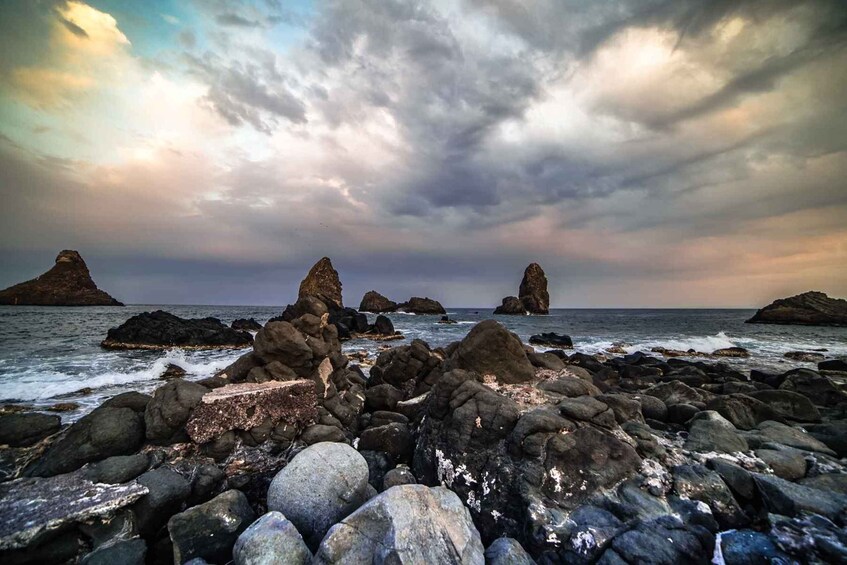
(807, 309)
(68, 283)
(323, 283)
(374, 302)
(532, 295)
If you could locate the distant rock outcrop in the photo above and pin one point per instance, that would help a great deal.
(417, 305)
(532, 295)
(323, 283)
(68, 283)
(374, 302)
(162, 330)
(807, 309)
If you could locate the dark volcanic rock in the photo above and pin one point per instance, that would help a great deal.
(491, 349)
(168, 411)
(246, 324)
(68, 283)
(552, 339)
(383, 325)
(374, 302)
(106, 431)
(245, 406)
(162, 330)
(323, 283)
(833, 365)
(20, 430)
(210, 530)
(417, 305)
(532, 295)
(807, 309)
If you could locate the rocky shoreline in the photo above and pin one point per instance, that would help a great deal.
(483, 451)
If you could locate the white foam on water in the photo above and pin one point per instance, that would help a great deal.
(705, 344)
(45, 384)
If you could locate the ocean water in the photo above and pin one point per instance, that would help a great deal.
(49, 354)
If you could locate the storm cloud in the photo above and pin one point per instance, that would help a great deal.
(646, 153)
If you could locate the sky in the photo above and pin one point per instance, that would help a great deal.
(647, 153)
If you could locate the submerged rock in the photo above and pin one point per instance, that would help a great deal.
(405, 524)
(31, 507)
(807, 309)
(68, 283)
(163, 330)
(374, 302)
(247, 405)
(323, 283)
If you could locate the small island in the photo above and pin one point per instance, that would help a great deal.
(808, 309)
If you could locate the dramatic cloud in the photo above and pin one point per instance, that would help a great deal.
(646, 153)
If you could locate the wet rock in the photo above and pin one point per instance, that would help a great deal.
(374, 302)
(68, 283)
(696, 482)
(25, 429)
(383, 325)
(271, 540)
(511, 305)
(569, 387)
(789, 499)
(833, 482)
(490, 349)
(163, 330)
(321, 485)
(507, 551)
(405, 524)
(832, 434)
(748, 547)
(808, 309)
(246, 325)
(743, 411)
(551, 339)
(674, 392)
(804, 356)
(167, 413)
(651, 407)
(709, 431)
(665, 540)
(117, 469)
(210, 530)
(34, 506)
(417, 305)
(792, 437)
(731, 352)
(681, 413)
(245, 406)
(167, 490)
(394, 439)
(323, 283)
(739, 480)
(817, 388)
(108, 430)
(833, 365)
(125, 552)
(786, 463)
(789, 404)
(172, 372)
(281, 341)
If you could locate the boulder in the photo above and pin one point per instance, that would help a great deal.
(552, 339)
(789, 499)
(374, 302)
(833, 365)
(511, 305)
(400, 475)
(413, 367)
(271, 540)
(789, 404)
(808, 309)
(34, 507)
(25, 429)
(743, 411)
(743, 547)
(394, 439)
(814, 386)
(163, 330)
(321, 485)
(383, 325)
(696, 482)
(778, 432)
(246, 324)
(125, 552)
(245, 406)
(490, 349)
(417, 305)
(68, 283)
(569, 387)
(210, 530)
(709, 431)
(117, 469)
(507, 551)
(322, 282)
(405, 524)
(167, 490)
(674, 392)
(108, 430)
(167, 413)
(786, 463)
(281, 341)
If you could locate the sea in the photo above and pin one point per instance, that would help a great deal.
(52, 355)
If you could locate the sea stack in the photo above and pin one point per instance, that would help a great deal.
(374, 302)
(532, 298)
(68, 283)
(808, 309)
(323, 283)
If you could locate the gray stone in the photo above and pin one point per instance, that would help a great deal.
(791, 404)
(507, 551)
(34, 506)
(125, 552)
(792, 437)
(21, 430)
(400, 475)
(783, 497)
(321, 485)
(167, 491)
(709, 431)
(169, 410)
(117, 469)
(786, 463)
(210, 530)
(271, 540)
(405, 524)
